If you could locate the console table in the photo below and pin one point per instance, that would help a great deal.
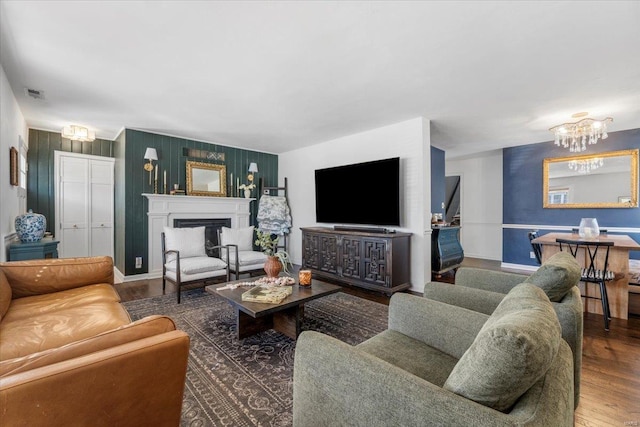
(45, 248)
(377, 261)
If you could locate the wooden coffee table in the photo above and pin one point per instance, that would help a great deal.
(285, 317)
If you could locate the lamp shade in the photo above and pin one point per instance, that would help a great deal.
(253, 167)
(151, 154)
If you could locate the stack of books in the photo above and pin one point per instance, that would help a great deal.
(177, 192)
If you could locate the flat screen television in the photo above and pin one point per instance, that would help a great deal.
(363, 193)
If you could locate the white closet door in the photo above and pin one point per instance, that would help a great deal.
(84, 205)
(73, 199)
(101, 207)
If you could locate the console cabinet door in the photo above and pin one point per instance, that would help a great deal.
(328, 254)
(310, 251)
(375, 256)
(350, 256)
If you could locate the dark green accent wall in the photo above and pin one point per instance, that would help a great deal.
(119, 198)
(40, 163)
(130, 150)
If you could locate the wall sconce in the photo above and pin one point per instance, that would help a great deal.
(78, 133)
(151, 154)
(253, 168)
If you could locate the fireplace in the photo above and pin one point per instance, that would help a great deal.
(191, 211)
(212, 225)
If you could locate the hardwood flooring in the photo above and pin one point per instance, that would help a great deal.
(610, 390)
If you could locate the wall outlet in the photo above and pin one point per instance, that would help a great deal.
(139, 262)
(532, 255)
(442, 205)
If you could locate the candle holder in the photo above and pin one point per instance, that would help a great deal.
(304, 277)
(155, 186)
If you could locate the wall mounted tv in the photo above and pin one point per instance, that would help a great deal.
(363, 193)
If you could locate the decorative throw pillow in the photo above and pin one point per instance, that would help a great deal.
(512, 351)
(243, 237)
(557, 276)
(188, 241)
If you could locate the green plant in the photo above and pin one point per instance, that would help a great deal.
(268, 244)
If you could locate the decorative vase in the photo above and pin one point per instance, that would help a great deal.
(247, 193)
(272, 266)
(589, 228)
(30, 226)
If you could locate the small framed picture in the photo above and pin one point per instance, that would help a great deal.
(13, 166)
(624, 199)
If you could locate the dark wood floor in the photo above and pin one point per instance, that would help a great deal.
(610, 393)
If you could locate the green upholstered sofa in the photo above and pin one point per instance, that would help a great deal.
(441, 365)
(482, 290)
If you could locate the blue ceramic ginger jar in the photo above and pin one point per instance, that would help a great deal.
(30, 226)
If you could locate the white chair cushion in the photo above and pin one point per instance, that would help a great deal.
(195, 265)
(243, 237)
(189, 241)
(246, 258)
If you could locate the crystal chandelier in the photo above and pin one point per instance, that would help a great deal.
(576, 136)
(586, 166)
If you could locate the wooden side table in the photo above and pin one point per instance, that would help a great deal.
(45, 248)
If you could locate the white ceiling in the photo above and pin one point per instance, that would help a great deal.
(275, 76)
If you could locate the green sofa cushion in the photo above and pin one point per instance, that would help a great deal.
(512, 351)
(557, 276)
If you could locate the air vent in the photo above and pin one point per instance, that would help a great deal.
(34, 93)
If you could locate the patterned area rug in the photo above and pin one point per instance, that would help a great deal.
(249, 382)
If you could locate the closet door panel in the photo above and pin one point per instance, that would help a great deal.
(74, 237)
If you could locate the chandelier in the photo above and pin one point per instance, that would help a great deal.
(576, 136)
(78, 133)
(586, 166)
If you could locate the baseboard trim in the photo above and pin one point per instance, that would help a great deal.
(524, 267)
(120, 278)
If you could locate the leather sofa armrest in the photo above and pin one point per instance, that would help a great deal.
(445, 327)
(138, 383)
(38, 277)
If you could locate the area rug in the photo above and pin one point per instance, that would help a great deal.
(249, 382)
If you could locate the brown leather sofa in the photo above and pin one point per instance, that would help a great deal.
(70, 355)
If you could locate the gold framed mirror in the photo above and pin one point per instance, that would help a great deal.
(600, 180)
(206, 179)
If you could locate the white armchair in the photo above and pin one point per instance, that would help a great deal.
(242, 258)
(185, 259)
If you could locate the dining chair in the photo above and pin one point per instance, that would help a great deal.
(594, 272)
(537, 248)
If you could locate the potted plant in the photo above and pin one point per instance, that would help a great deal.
(277, 260)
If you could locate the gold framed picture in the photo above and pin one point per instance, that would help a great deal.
(13, 163)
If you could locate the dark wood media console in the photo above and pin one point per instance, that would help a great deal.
(377, 261)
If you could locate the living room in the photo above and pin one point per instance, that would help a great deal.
(299, 87)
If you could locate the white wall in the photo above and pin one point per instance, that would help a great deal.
(480, 203)
(409, 140)
(12, 126)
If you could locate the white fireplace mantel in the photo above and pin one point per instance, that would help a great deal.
(163, 209)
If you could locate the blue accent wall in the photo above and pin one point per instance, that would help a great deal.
(437, 180)
(522, 195)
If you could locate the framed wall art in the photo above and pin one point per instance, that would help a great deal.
(13, 166)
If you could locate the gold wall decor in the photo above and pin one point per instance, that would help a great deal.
(206, 179)
(600, 180)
